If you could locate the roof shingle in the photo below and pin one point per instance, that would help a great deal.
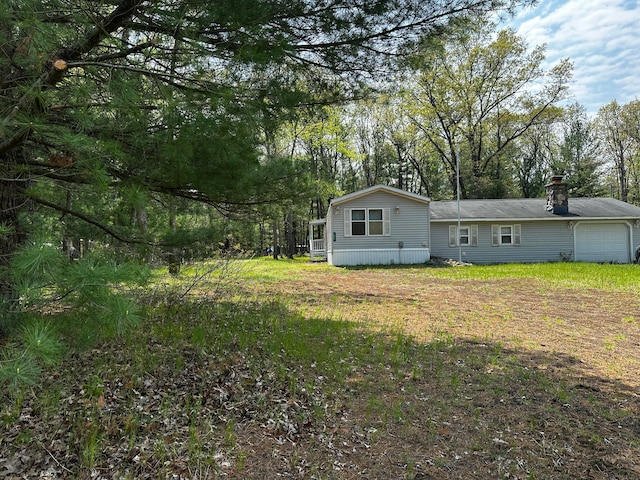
(532, 209)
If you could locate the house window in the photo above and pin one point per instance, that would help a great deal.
(465, 234)
(468, 236)
(505, 235)
(375, 221)
(358, 222)
(366, 222)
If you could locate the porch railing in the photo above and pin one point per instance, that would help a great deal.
(318, 248)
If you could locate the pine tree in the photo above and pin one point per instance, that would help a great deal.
(111, 109)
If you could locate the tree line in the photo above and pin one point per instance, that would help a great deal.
(473, 100)
(478, 100)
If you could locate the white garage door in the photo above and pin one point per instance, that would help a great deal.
(602, 242)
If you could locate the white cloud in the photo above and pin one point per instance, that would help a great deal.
(598, 36)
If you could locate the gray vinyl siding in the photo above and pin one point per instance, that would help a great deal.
(409, 226)
(423, 229)
(540, 242)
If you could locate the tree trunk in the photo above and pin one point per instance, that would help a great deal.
(290, 234)
(276, 246)
(11, 203)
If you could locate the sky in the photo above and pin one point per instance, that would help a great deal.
(600, 37)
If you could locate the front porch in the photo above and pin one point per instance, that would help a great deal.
(317, 241)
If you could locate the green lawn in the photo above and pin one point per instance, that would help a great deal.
(287, 369)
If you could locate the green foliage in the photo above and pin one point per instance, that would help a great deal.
(579, 158)
(470, 98)
(91, 292)
(17, 369)
(618, 128)
(121, 314)
(36, 345)
(37, 264)
(45, 275)
(40, 340)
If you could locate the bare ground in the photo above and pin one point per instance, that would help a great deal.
(495, 380)
(599, 329)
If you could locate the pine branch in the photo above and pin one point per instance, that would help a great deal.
(14, 141)
(125, 53)
(125, 10)
(175, 80)
(74, 178)
(71, 106)
(87, 219)
(49, 78)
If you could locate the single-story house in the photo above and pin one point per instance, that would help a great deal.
(377, 226)
(383, 225)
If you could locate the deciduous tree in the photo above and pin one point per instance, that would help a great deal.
(475, 93)
(618, 145)
(579, 157)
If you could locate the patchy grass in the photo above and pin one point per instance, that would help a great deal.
(301, 370)
(557, 275)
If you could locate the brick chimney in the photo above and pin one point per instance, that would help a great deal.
(557, 196)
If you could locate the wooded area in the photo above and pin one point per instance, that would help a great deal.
(151, 132)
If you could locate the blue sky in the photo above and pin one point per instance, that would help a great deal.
(600, 37)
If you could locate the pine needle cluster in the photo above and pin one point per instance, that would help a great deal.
(62, 302)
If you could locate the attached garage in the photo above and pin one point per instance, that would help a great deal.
(600, 230)
(602, 242)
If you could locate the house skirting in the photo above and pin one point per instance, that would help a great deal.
(378, 256)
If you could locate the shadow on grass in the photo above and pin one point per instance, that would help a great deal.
(453, 408)
(254, 390)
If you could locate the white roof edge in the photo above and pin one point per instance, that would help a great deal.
(385, 188)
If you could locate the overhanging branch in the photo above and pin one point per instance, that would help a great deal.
(87, 219)
(124, 11)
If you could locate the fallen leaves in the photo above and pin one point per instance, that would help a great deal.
(254, 391)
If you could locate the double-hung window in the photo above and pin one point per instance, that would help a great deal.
(375, 221)
(467, 236)
(366, 222)
(358, 222)
(505, 235)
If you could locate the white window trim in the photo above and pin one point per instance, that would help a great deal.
(516, 235)
(454, 235)
(386, 222)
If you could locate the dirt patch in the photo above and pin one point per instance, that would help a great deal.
(439, 379)
(601, 329)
